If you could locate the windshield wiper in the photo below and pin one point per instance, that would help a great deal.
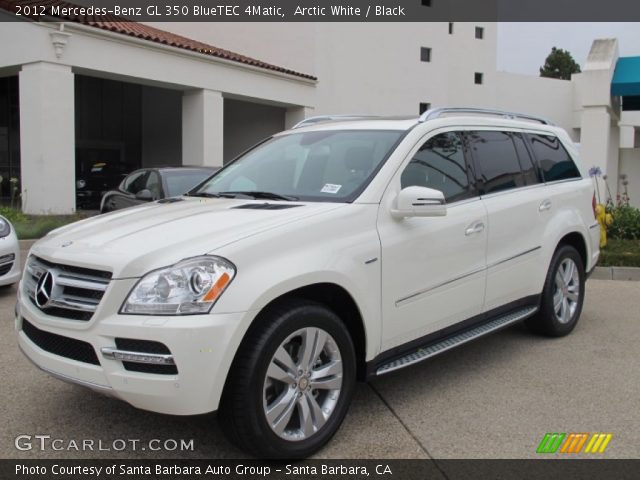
(259, 194)
(203, 195)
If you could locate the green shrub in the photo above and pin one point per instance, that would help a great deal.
(626, 223)
(13, 215)
(39, 227)
(36, 226)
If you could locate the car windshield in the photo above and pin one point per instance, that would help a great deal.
(313, 166)
(181, 181)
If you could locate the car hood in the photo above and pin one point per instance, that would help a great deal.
(133, 241)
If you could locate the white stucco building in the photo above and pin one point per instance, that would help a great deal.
(174, 93)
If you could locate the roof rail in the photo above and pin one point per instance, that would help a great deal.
(330, 118)
(438, 112)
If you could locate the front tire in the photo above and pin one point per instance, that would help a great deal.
(562, 296)
(291, 382)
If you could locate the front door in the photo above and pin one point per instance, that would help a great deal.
(433, 268)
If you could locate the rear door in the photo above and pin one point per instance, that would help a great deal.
(512, 193)
(563, 199)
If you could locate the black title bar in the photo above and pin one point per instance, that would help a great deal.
(323, 10)
(318, 469)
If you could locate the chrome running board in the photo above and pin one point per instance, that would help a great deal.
(422, 353)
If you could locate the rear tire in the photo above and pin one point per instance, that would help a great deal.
(562, 296)
(291, 382)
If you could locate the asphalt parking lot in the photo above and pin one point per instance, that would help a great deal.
(493, 398)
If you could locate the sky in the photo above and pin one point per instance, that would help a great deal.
(523, 47)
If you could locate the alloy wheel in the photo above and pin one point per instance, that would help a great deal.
(566, 291)
(302, 384)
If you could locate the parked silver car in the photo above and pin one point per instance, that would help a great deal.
(9, 254)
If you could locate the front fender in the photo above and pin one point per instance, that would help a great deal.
(309, 255)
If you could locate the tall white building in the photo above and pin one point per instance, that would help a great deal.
(131, 95)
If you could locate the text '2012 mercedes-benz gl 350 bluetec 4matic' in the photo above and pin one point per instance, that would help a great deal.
(345, 248)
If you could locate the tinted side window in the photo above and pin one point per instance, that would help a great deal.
(529, 169)
(496, 160)
(554, 160)
(134, 182)
(440, 164)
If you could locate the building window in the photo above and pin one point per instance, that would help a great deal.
(630, 103)
(426, 3)
(478, 78)
(424, 106)
(479, 33)
(425, 54)
(450, 28)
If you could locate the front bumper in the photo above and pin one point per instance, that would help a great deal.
(202, 347)
(9, 246)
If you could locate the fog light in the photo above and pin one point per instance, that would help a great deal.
(125, 356)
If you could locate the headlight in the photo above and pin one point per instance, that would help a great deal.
(5, 228)
(189, 287)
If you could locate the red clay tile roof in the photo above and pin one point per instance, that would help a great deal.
(121, 25)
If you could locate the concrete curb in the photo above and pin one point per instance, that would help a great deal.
(26, 244)
(616, 273)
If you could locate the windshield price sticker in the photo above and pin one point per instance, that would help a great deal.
(331, 188)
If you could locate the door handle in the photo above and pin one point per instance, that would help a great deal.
(475, 228)
(545, 205)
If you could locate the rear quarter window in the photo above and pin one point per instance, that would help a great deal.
(553, 159)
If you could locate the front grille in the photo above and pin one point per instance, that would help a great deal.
(145, 346)
(59, 345)
(81, 271)
(6, 263)
(83, 292)
(6, 268)
(75, 292)
(65, 313)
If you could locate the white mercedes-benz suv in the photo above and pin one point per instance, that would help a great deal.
(342, 249)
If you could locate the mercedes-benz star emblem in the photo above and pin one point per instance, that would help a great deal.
(44, 289)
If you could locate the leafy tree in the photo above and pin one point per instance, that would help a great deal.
(559, 64)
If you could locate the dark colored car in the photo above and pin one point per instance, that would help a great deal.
(149, 184)
(94, 179)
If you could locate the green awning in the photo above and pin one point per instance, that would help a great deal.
(626, 78)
